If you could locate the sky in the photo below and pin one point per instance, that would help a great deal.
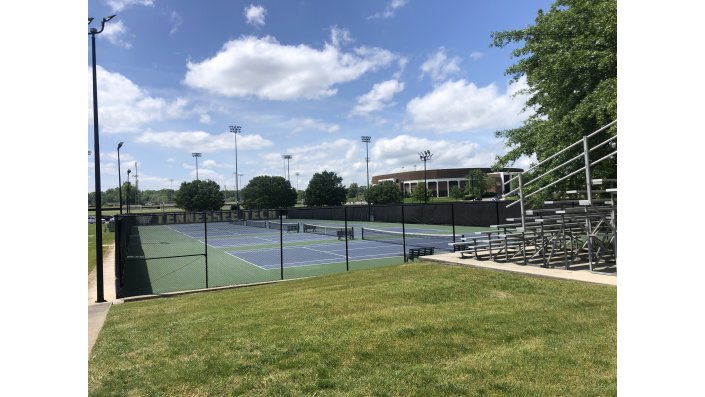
(305, 78)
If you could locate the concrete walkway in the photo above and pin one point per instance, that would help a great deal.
(97, 312)
(576, 275)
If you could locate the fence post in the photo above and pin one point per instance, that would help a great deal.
(205, 244)
(281, 244)
(403, 231)
(347, 256)
(452, 218)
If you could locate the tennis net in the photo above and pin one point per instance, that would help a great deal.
(335, 231)
(251, 223)
(238, 222)
(413, 240)
(286, 226)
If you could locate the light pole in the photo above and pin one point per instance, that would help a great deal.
(236, 129)
(119, 177)
(425, 156)
(366, 139)
(96, 158)
(196, 155)
(128, 190)
(286, 158)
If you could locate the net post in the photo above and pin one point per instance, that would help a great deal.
(281, 245)
(403, 232)
(452, 218)
(205, 244)
(347, 256)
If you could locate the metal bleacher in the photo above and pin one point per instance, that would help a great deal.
(578, 231)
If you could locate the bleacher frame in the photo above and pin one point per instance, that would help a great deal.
(572, 233)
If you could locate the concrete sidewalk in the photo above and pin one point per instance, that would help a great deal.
(97, 312)
(576, 275)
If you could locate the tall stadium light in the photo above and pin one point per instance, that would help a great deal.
(236, 129)
(119, 177)
(196, 155)
(128, 190)
(366, 139)
(286, 158)
(297, 182)
(425, 156)
(96, 148)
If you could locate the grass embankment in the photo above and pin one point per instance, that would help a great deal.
(108, 239)
(414, 329)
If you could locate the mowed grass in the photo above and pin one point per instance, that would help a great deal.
(408, 330)
(108, 239)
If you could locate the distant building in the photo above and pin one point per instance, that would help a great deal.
(441, 180)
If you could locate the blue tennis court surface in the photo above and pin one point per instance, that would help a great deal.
(264, 239)
(317, 254)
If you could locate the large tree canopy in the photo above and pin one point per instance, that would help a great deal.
(268, 192)
(569, 59)
(199, 196)
(384, 193)
(325, 188)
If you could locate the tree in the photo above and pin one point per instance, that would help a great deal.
(384, 193)
(419, 193)
(569, 59)
(353, 190)
(199, 196)
(477, 183)
(268, 192)
(455, 193)
(325, 188)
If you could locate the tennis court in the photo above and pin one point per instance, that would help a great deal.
(161, 258)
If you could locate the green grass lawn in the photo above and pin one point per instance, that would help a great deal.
(417, 329)
(108, 239)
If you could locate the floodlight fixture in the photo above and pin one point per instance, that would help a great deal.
(196, 155)
(425, 156)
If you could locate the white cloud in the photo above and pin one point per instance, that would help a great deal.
(338, 156)
(476, 55)
(439, 67)
(308, 123)
(115, 33)
(176, 21)
(205, 118)
(459, 105)
(201, 141)
(388, 155)
(339, 36)
(119, 5)
(389, 10)
(254, 15)
(125, 107)
(261, 67)
(378, 98)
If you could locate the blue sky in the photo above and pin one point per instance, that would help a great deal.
(305, 78)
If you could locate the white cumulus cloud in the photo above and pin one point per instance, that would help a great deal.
(125, 107)
(378, 98)
(266, 69)
(201, 141)
(307, 124)
(456, 106)
(254, 15)
(439, 67)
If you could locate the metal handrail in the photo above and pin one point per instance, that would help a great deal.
(586, 168)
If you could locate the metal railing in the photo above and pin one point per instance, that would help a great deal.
(586, 167)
